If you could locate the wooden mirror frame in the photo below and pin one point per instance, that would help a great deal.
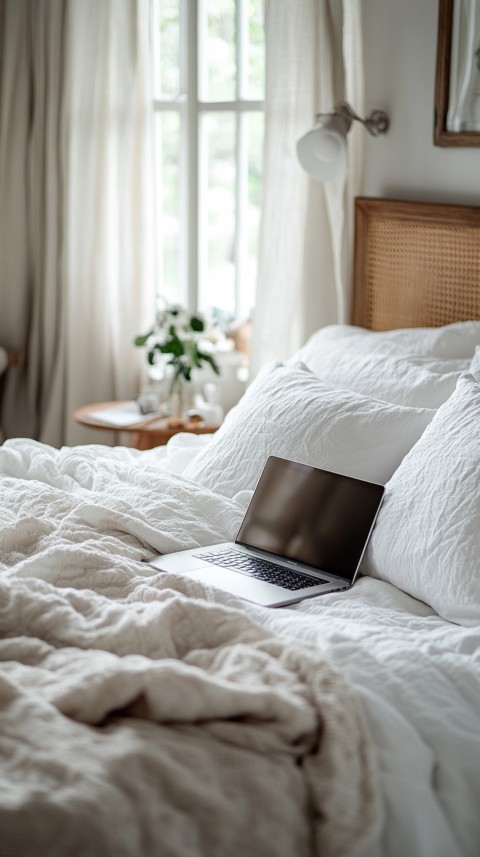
(442, 137)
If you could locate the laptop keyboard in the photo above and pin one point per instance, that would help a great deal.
(261, 569)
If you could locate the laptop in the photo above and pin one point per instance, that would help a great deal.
(304, 534)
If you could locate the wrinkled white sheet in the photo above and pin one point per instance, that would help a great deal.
(418, 676)
(137, 719)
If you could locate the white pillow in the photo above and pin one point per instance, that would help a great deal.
(418, 382)
(427, 537)
(288, 412)
(451, 340)
(475, 362)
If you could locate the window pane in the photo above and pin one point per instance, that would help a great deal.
(167, 143)
(255, 50)
(218, 51)
(255, 129)
(166, 48)
(217, 212)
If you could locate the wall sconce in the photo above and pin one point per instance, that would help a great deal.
(322, 151)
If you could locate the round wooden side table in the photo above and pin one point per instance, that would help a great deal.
(147, 433)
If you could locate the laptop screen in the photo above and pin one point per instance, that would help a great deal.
(311, 516)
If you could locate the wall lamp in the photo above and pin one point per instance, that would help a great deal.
(322, 151)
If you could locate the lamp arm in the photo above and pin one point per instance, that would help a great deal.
(377, 122)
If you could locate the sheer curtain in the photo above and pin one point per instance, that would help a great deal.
(76, 271)
(314, 59)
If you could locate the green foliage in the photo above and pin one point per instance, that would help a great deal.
(140, 341)
(184, 338)
(197, 323)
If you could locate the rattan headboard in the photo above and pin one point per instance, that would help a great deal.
(416, 264)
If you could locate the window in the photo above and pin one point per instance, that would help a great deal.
(209, 79)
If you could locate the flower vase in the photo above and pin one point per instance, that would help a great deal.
(177, 402)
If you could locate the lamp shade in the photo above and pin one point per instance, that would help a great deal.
(322, 152)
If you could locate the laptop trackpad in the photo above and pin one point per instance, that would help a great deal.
(231, 581)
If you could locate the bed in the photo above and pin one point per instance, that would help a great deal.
(142, 714)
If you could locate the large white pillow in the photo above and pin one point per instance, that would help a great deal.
(475, 362)
(418, 382)
(451, 340)
(427, 537)
(288, 412)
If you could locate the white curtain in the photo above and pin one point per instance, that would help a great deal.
(76, 272)
(314, 59)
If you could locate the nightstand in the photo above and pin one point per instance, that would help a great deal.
(147, 433)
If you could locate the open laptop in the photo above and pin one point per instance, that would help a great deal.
(304, 534)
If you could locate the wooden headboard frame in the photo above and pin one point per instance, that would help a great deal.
(415, 264)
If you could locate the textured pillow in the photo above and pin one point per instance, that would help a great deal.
(288, 412)
(451, 340)
(418, 382)
(427, 537)
(475, 362)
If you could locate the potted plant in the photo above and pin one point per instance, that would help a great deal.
(184, 342)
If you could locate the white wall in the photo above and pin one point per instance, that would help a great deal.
(400, 45)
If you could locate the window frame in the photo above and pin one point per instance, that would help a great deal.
(192, 109)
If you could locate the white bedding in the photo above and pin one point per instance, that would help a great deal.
(419, 678)
(74, 525)
(137, 719)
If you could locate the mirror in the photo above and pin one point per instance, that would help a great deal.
(457, 89)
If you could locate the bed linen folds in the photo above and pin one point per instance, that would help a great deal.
(137, 716)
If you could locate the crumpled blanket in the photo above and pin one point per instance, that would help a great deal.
(137, 715)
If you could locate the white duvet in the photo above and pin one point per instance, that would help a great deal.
(142, 715)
